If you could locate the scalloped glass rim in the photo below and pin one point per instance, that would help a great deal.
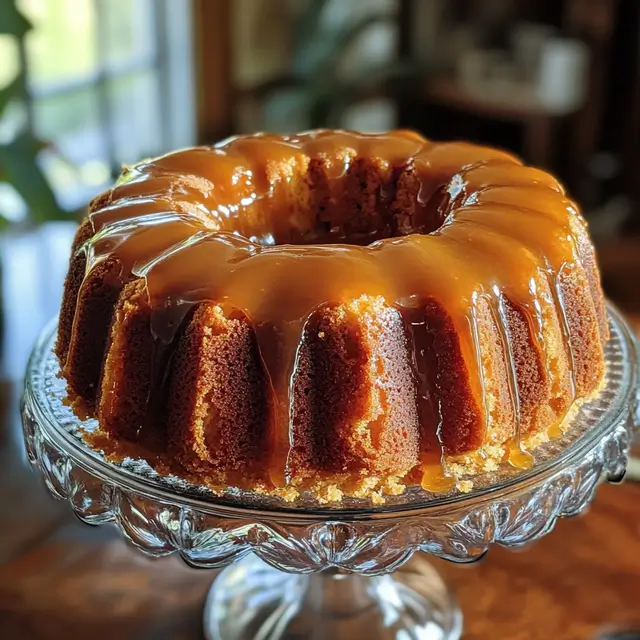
(45, 395)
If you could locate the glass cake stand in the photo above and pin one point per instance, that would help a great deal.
(314, 571)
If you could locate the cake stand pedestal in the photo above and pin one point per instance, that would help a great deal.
(313, 571)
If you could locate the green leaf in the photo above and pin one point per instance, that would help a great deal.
(19, 167)
(347, 35)
(12, 90)
(307, 24)
(12, 22)
(322, 53)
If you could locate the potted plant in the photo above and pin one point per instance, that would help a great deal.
(19, 151)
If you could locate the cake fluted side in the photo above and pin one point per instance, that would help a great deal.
(387, 311)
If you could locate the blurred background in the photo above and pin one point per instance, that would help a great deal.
(89, 85)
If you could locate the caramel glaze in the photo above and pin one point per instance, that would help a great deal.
(270, 226)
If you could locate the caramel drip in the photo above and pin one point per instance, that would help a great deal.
(516, 455)
(479, 368)
(239, 224)
(503, 327)
(432, 451)
(556, 292)
(537, 232)
(553, 204)
(279, 348)
(258, 281)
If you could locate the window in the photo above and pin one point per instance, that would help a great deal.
(108, 82)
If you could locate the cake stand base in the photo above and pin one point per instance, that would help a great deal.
(250, 599)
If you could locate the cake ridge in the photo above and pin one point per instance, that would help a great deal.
(516, 454)
(556, 292)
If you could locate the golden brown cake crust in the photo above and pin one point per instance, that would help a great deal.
(96, 298)
(72, 284)
(124, 402)
(431, 305)
(218, 403)
(353, 400)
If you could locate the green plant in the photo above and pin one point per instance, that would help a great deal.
(19, 155)
(314, 87)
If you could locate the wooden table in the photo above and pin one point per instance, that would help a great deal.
(60, 578)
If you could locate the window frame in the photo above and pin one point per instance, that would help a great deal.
(171, 60)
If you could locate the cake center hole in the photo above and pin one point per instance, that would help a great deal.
(353, 216)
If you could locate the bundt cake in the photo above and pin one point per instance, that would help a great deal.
(333, 311)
